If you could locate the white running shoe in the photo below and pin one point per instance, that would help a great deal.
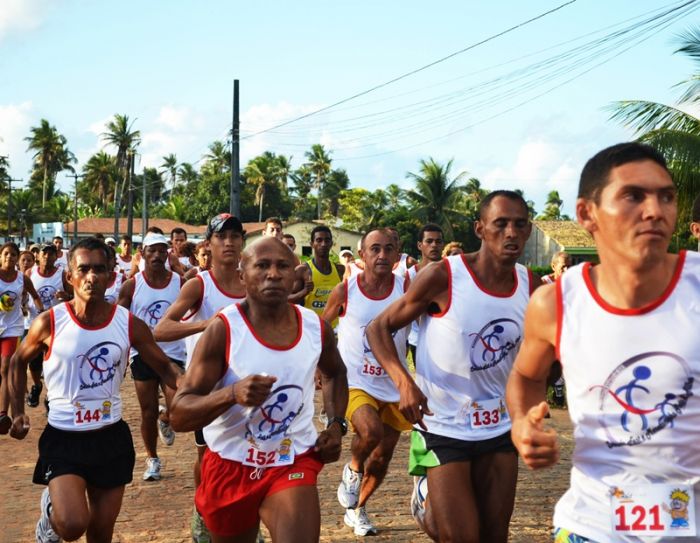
(44, 531)
(349, 488)
(359, 521)
(418, 497)
(165, 431)
(152, 472)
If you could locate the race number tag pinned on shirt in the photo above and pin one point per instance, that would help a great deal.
(484, 414)
(653, 510)
(370, 368)
(283, 455)
(91, 412)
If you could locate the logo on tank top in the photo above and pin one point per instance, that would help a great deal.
(365, 342)
(643, 396)
(47, 293)
(493, 343)
(99, 365)
(7, 300)
(155, 311)
(275, 416)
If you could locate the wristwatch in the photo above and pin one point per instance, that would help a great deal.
(342, 422)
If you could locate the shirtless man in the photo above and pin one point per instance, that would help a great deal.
(471, 308)
(254, 365)
(86, 455)
(626, 333)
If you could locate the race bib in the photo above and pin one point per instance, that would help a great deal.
(91, 412)
(371, 369)
(653, 510)
(283, 455)
(484, 414)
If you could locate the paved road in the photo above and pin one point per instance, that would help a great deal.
(160, 511)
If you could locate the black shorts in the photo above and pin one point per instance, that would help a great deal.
(141, 371)
(37, 363)
(104, 458)
(199, 438)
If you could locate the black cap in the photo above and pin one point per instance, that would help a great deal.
(48, 247)
(221, 222)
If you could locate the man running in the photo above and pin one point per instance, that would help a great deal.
(372, 407)
(124, 256)
(86, 455)
(290, 241)
(148, 295)
(471, 308)
(325, 275)
(203, 255)
(171, 264)
(695, 220)
(178, 241)
(405, 261)
(303, 284)
(251, 385)
(61, 255)
(626, 332)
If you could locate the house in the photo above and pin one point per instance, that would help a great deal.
(88, 227)
(550, 237)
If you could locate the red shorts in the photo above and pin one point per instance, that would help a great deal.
(229, 497)
(8, 345)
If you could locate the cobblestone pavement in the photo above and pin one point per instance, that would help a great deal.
(160, 511)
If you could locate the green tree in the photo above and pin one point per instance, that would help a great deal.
(338, 181)
(176, 208)
(552, 208)
(319, 162)
(101, 175)
(217, 160)
(530, 203)
(260, 171)
(673, 129)
(60, 208)
(51, 156)
(4, 172)
(121, 135)
(170, 165)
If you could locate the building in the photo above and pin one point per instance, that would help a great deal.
(550, 237)
(88, 227)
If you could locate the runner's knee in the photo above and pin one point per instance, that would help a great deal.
(72, 526)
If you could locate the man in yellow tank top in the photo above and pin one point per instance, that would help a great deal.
(324, 273)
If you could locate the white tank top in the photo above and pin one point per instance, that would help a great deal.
(355, 270)
(62, 261)
(630, 378)
(212, 301)
(123, 264)
(142, 263)
(47, 286)
(413, 333)
(112, 292)
(150, 304)
(283, 426)
(185, 262)
(464, 355)
(11, 318)
(84, 368)
(401, 267)
(364, 372)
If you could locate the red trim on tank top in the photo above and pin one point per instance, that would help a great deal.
(38, 271)
(11, 280)
(449, 291)
(69, 308)
(143, 274)
(560, 318)
(228, 344)
(52, 320)
(222, 291)
(344, 307)
(393, 285)
(531, 283)
(300, 326)
(637, 310)
(485, 290)
(198, 305)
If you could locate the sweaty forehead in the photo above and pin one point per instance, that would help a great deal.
(377, 237)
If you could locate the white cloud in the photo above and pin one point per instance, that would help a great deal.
(14, 127)
(21, 15)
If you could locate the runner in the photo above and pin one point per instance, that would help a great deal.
(325, 275)
(125, 256)
(354, 267)
(695, 220)
(453, 248)
(430, 243)
(290, 241)
(257, 409)
(53, 288)
(196, 307)
(203, 256)
(86, 455)
(372, 407)
(472, 309)
(561, 262)
(13, 286)
(178, 241)
(148, 296)
(405, 260)
(626, 333)
(26, 263)
(117, 280)
(61, 255)
(138, 264)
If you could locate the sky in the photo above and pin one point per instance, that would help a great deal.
(523, 106)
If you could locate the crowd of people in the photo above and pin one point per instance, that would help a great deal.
(456, 348)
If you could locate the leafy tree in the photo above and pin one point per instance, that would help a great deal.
(60, 208)
(121, 135)
(217, 160)
(4, 172)
(530, 203)
(170, 165)
(552, 208)
(262, 171)
(338, 181)
(51, 156)
(319, 162)
(176, 208)
(304, 204)
(101, 176)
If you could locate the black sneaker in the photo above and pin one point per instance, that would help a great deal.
(33, 396)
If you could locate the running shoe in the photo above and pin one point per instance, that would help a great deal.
(200, 533)
(152, 472)
(349, 488)
(358, 520)
(418, 497)
(165, 431)
(33, 396)
(5, 423)
(44, 531)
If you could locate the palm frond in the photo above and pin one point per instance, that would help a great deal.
(643, 116)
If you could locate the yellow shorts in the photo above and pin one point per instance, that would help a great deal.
(388, 411)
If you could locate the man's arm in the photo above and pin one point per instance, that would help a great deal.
(430, 286)
(189, 274)
(142, 340)
(175, 264)
(341, 270)
(335, 302)
(302, 284)
(195, 405)
(171, 327)
(334, 384)
(31, 347)
(527, 384)
(135, 259)
(29, 288)
(126, 293)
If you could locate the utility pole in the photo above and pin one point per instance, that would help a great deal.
(235, 200)
(9, 205)
(130, 204)
(144, 209)
(75, 177)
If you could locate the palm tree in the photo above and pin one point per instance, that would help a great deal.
(4, 169)
(552, 208)
(673, 130)
(319, 162)
(170, 165)
(283, 170)
(338, 181)
(121, 135)
(262, 171)
(101, 176)
(436, 196)
(51, 155)
(61, 208)
(218, 158)
(176, 209)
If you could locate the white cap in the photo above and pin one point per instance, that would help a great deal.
(154, 239)
(345, 252)
(110, 240)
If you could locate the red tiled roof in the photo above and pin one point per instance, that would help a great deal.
(106, 226)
